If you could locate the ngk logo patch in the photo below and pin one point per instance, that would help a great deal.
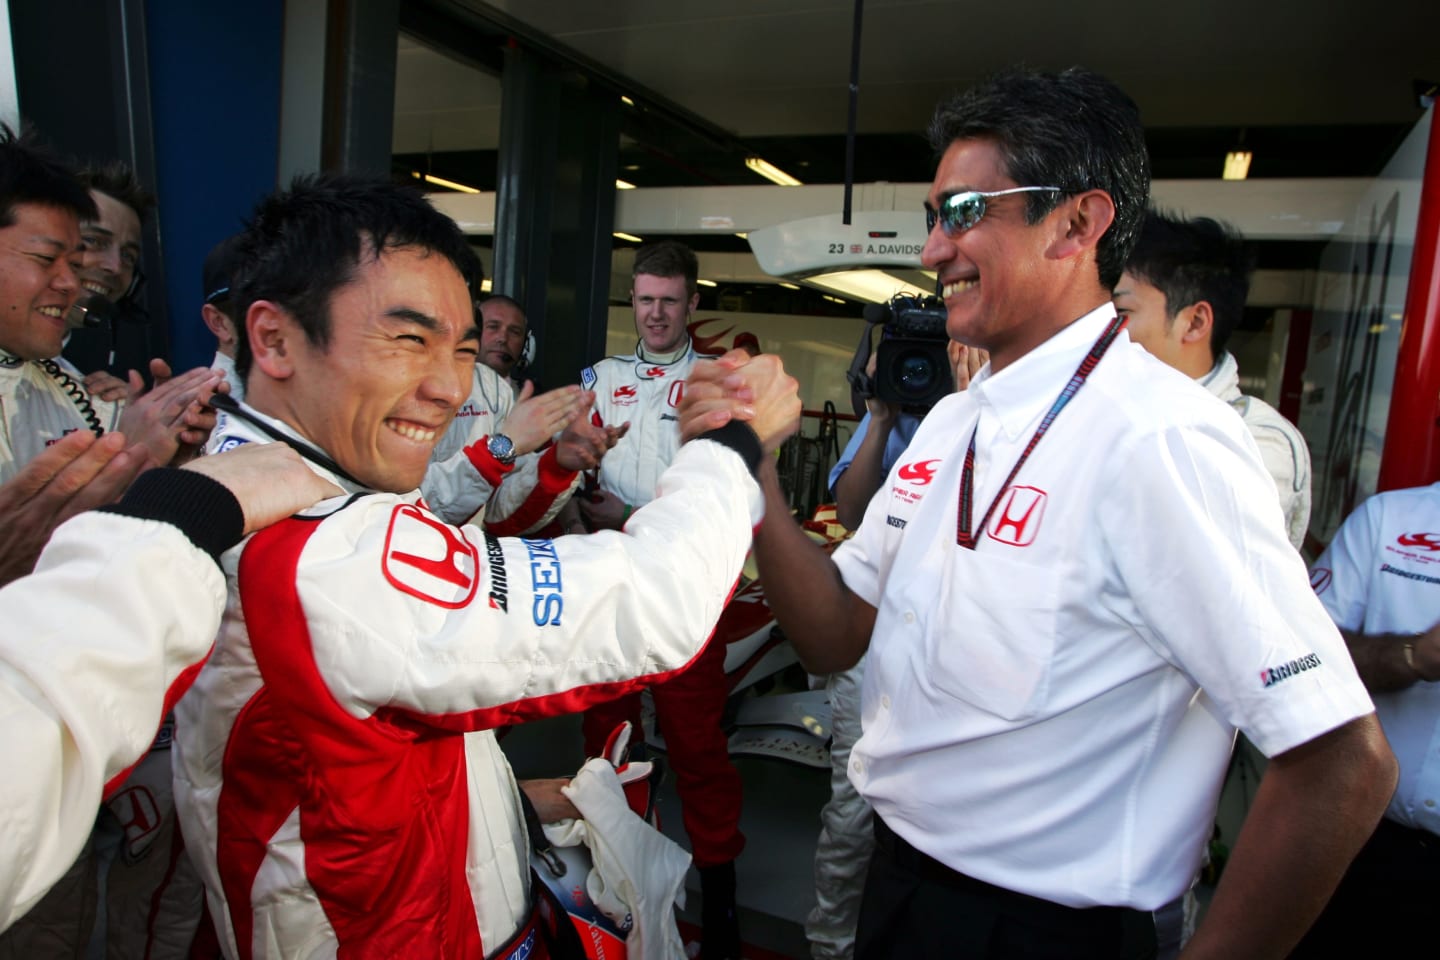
(430, 560)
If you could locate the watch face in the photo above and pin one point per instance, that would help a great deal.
(502, 448)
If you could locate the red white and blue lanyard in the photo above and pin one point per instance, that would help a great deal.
(965, 534)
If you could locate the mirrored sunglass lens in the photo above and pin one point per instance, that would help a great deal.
(963, 211)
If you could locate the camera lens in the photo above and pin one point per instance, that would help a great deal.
(914, 374)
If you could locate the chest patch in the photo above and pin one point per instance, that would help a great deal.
(430, 560)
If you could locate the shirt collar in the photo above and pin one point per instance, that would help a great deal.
(1026, 388)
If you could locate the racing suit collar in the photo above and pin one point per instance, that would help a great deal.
(662, 358)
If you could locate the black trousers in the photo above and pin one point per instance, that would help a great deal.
(1386, 902)
(916, 907)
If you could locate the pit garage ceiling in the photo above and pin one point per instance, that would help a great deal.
(764, 68)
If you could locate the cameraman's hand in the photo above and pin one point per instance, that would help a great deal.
(965, 362)
(883, 413)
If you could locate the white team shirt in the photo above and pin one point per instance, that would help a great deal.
(1381, 574)
(37, 408)
(1030, 707)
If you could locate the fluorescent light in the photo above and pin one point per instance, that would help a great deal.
(789, 286)
(486, 286)
(442, 182)
(628, 236)
(743, 236)
(627, 101)
(771, 172)
(622, 185)
(707, 283)
(872, 286)
(831, 299)
(1237, 165)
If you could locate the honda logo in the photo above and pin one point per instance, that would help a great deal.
(1017, 521)
(429, 559)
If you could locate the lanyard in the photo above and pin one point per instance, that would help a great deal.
(966, 535)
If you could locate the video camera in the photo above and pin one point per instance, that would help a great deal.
(912, 367)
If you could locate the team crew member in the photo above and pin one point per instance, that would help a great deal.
(496, 463)
(217, 309)
(42, 397)
(504, 334)
(1067, 555)
(81, 701)
(340, 788)
(1182, 294)
(1378, 581)
(644, 390)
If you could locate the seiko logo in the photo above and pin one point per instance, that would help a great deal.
(918, 473)
(230, 443)
(499, 587)
(545, 580)
(1017, 521)
(1420, 541)
(1273, 675)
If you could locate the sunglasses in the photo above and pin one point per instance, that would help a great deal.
(961, 211)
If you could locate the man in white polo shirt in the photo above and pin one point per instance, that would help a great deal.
(1073, 587)
(1380, 581)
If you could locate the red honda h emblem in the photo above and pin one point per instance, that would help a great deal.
(1018, 519)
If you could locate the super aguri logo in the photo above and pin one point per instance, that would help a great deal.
(918, 473)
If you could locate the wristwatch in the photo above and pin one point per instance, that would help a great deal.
(502, 448)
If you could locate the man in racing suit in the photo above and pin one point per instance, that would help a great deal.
(645, 391)
(42, 399)
(335, 771)
(77, 712)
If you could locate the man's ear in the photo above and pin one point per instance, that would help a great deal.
(1086, 218)
(1196, 321)
(218, 324)
(274, 336)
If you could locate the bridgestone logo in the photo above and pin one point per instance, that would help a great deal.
(1386, 568)
(499, 587)
(1273, 675)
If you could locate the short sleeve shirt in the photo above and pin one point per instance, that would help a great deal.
(1053, 710)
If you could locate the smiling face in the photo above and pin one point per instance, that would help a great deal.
(502, 335)
(402, 350)
(996, 276)
(112, 248)
(38, 255)
(662, 307)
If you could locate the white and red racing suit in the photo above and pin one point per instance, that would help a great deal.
(646, 392)
(466, 483)
(153, 897)
(339, 786)
(40, 402)
(83, 692)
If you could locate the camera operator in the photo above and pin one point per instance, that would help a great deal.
(846, 837)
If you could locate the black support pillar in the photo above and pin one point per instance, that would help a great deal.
(555, 208)
(359, 85)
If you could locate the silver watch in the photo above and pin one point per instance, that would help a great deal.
(502, 448)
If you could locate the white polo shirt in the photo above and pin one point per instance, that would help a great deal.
(1381, 574)
(1032, 708)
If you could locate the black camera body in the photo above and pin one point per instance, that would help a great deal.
(912, 367)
